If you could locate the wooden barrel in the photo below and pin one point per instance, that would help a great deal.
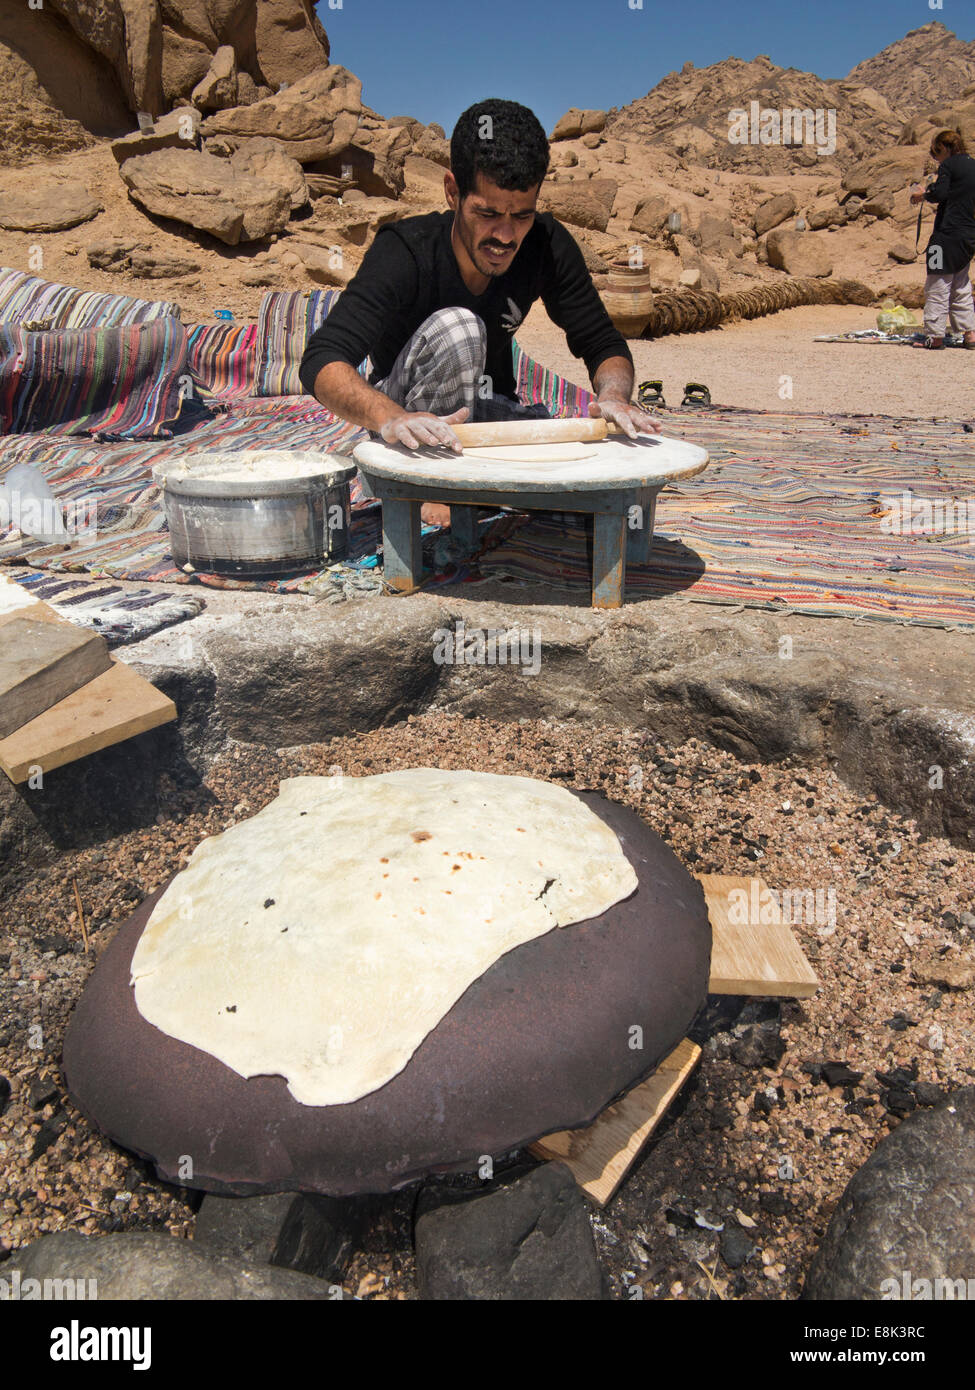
(628, 298)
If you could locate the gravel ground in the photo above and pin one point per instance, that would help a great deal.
(731, 1197)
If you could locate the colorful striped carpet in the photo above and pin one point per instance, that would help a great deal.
(129, 382)
(29, 299)
(791, 512)
(794, 512)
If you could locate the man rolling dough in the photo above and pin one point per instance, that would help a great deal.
(438, 298)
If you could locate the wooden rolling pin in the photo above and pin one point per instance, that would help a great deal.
(572, 431)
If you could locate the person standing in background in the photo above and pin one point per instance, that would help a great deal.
(949, 252)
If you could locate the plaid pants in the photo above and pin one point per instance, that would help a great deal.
(441, 369)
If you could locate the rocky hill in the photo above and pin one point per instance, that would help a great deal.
(925, 69)
(212, 149)
(76, 67)
(692, 112)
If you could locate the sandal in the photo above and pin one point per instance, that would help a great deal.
(696, 395)
(929, 342)
(649, 394)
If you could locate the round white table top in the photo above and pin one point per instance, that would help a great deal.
(648, 461)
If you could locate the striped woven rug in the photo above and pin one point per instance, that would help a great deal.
(793, 512)
(801, 512)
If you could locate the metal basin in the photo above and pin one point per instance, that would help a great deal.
(260, 513)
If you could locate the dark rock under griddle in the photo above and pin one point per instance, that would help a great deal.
(528, 1240)
(736, 1249)
(758, 1047)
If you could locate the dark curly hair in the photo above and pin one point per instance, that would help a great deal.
(510, 147)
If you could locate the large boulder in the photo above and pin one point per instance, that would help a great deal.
(184, 65)
(827, 213)
(265, 159)
(650, 216)
(180, 129)
(366, 216)
(885, 172)
(773, 212)
(800, 254)
(288, 37)
(569, 126)
(431, 143)
(326, 265)
(314, 118)
(128, 34)
(377, 158)
(205, 192)
(716, 235)
(48, 207)
(122, 255)
(158, 52)
(907, 1217)
(217, 89)
(55, 89)
(572, 202)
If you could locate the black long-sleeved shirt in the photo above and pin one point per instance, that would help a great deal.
(410, 271)
(954, 223)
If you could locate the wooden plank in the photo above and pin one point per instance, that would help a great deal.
(402, 548)
(601, 1154)
(114, 706)
(752, 956)
(608, 560)
(42, 662)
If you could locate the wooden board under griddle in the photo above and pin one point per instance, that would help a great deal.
(600, 1156)
(753, 958)
(114, 706)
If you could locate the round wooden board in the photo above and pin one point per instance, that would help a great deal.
(542, 1041)
(648, 461)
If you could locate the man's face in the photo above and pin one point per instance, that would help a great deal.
(492, 222)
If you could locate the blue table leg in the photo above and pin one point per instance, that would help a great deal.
(463, 526)
(639, 527)
(608, 549)
(402, 553)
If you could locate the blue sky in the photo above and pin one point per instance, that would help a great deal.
(431, 58)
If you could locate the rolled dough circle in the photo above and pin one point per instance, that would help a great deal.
(534, 453)
(541, 1041)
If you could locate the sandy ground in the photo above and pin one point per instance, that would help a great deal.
(751, 362)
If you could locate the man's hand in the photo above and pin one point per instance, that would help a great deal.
(419, 427)
(630, 418)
